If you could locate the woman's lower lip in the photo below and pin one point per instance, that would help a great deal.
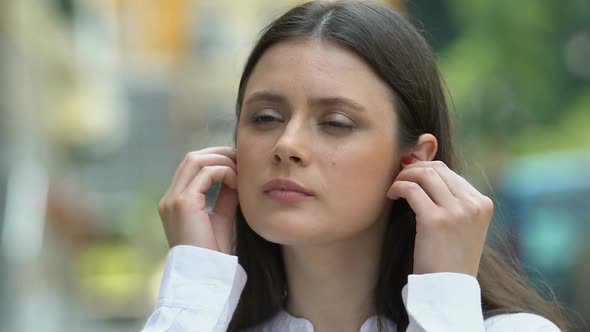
(286, 195)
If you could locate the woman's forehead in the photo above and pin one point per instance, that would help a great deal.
(315, 68)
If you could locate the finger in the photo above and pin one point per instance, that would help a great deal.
(193, 164)
(417, 198)
(458, 185)
(220, 150)
(223, 214)
(226, 202)
(431, 183)
(207, 177)
(223, 150)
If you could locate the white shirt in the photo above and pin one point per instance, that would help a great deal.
(200, 290)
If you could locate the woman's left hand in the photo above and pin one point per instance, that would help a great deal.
(452, 217)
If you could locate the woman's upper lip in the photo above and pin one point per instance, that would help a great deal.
(285, 184)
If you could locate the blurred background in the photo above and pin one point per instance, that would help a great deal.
(101, 99)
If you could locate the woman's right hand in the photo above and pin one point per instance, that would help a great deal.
(182, 209)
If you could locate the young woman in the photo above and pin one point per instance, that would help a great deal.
(339, 201)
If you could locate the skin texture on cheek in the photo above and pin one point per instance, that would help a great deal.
(331, 155)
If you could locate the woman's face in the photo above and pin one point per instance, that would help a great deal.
(315, 113)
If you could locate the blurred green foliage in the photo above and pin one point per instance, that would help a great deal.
(515, 71)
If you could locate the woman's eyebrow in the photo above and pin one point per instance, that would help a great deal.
(338, 101)
(266, 96)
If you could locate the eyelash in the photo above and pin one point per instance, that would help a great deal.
(339, 125)
(267, 118)
(264, 118)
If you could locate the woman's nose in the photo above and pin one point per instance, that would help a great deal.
(292, 147)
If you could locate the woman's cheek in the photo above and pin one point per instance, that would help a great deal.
(331, 158)
(344, 170)
(252, 152)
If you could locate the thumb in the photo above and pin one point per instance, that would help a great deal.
(405, 161)
(223, 218)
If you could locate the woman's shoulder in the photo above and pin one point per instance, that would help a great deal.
(521, 321)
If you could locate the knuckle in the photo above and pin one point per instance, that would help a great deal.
(477, 208)
(178, 202)
(461, 214)
(412, 187)
(192, 157)
(487, 205)
(206, 169)
(440, 219)
(428, 172)
(420, 170)
(162, 207)
(189, 155)
(477, 211)
(164, 203)
(439, 163)
(472, 206)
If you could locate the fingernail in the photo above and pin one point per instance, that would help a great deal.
(407, 160)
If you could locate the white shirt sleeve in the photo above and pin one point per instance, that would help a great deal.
(200, 290)
(452, 302)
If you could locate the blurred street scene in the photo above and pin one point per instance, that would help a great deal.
(101, 99)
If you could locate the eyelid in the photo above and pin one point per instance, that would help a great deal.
(264, 109)
(339, 125)
(265, 116)
(341, 118)
(339, 121)
(267, 111)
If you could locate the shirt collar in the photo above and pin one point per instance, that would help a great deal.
(291, 324)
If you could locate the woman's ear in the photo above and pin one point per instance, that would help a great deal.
(426, 148)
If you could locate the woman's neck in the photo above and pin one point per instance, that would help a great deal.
(333, 285)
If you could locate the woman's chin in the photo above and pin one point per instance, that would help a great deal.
(287, 231)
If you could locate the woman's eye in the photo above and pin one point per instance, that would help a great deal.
(264, 118)
(339, 124)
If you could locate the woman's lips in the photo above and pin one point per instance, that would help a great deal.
(286, 195)
(286, 190)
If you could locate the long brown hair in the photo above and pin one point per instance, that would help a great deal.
(400, 57)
